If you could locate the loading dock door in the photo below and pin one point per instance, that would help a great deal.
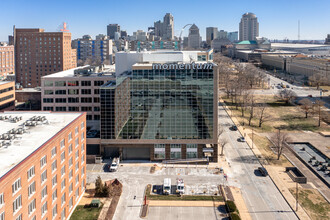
(136, 153)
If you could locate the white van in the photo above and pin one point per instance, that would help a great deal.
(180, 186)
(167, 186)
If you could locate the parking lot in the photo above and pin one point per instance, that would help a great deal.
(135, 177)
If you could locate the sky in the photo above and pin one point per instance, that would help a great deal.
(278, 19)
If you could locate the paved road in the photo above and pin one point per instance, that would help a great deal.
(262, 198)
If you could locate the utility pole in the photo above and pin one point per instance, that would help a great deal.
(296, 196)
(252, 137)
(298, 30)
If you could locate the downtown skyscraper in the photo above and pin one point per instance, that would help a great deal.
(165, 29)
(248, 27)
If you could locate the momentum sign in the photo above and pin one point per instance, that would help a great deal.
(182, 66)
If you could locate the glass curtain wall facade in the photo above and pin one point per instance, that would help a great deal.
(169, 104)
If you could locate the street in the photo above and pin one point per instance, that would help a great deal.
(261, 196)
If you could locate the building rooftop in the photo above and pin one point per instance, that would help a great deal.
(299, 46)
(248, 42)
(28, 138)
(4, 82)
(109, 70)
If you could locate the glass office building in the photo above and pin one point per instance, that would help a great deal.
(170, 113)
(170, 104)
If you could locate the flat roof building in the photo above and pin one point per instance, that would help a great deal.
(316, 49)
(43, 164)
(7, 95)
(171, 110)
(76, 90)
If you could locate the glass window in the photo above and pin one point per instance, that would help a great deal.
(48, 92)
(159, 150)
(60, 92)
(98, 83)
(192, 151)
(86, 83)
(73, 91)
(60, 83)
(175, 151)
(73, 83)
(86, 91)
(48, 83)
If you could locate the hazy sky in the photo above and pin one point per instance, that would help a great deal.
(278, 19)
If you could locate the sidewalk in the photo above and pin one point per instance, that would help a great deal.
(239, 201)
(273, 173)
(184, 203)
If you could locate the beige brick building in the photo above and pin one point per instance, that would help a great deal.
(7, 64)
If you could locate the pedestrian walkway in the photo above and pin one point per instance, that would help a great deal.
(240, 204)
(184, 203)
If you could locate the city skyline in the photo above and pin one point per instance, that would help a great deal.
(276, 21)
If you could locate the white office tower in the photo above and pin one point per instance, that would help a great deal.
(248, 27)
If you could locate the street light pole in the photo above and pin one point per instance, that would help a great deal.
(252, 137)
(296, 196)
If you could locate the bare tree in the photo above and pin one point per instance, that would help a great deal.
(251, 105)
(279, 140)
(287, 95)
(244, 100)
(80, 62)
(220, 132)
(318, 110)
(223, 142)
(306, 106)
(262, 114)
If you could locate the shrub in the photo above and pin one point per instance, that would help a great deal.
(234, 216)
(231, 206)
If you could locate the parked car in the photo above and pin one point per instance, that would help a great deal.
(114, 165)
(233, 128)
(263, 171)
(241, 139)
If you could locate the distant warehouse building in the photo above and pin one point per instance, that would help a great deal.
(162, 106)
(306, 66)
(43, 164)
(315, 49)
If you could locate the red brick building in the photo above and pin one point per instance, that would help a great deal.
(39, 53)
(43, 168)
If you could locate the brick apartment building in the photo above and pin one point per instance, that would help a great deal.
(43, 165)
(7, 95)
(39, 53)
(7, 64)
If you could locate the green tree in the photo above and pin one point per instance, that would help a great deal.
(98, 186)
